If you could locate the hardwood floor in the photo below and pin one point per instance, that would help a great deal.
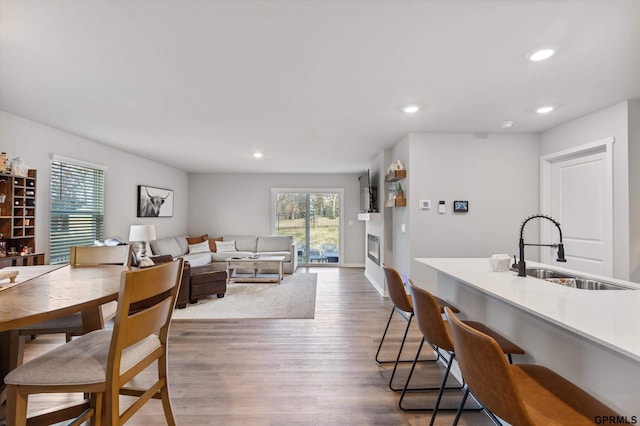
(292, 372)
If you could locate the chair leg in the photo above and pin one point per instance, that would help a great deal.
(388, 361)
(489, 414)
(406, 387)
(384, 335)
(164, 391)
(111, 407)
(97, 400)
(413, 366)
(461, 406)
(442, 388)
(18, 415)
(395, 367)
(16, 349)
(493, 418)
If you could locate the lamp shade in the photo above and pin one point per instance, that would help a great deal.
(142, 233)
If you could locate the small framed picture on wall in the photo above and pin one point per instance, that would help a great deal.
(154, 202)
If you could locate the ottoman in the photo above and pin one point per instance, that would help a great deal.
(207, 280)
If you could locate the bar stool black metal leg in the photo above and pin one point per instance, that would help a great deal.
(442, 388)
(404, 337)
(406, 331)
(383, 337)
(413, 366)
(461, 406)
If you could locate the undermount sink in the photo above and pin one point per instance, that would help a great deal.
(544, 274)
(580, 282)
(586, 284)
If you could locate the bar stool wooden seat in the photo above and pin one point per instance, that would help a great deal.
(521, 394)
(404, 307)
(436, 331)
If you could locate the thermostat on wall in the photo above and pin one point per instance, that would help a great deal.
(425, 204)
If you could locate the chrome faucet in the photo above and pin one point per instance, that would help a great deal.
(521, 264)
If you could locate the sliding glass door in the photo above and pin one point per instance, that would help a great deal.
(313, 218)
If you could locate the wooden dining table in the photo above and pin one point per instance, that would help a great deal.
(52, 292)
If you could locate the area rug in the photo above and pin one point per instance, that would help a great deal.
(294, 297)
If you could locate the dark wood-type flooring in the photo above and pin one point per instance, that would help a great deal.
(290, 371)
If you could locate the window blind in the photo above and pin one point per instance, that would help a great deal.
(77, 208)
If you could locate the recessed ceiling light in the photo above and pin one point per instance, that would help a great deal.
(506, 124)
(545, 109)
(411, 109)
(257, 155)
(541, 55)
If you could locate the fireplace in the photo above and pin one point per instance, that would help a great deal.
(373, 248)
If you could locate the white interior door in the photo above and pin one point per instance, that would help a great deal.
(577, 192)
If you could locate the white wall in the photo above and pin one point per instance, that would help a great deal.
(634, 190)
(498, 175)
(611, 121)
(401, 215)
(241, 204)
(36, 143)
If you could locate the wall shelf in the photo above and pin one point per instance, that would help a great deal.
(397, 202)
(17, 219)
(395, 176)
(369, 216)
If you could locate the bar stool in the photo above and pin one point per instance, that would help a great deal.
(435, 330)
(521, 394)
(404, 307)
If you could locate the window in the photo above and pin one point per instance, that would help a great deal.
(313, 218)
(77, 206)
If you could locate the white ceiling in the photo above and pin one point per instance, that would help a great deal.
(316, 86)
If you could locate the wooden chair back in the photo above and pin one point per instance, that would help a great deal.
(145, 304)
(429, 317)
(396, 289)
(100, 255)
(487, 372)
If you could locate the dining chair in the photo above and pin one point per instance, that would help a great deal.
(435, 330)
(87, 256)
(102, 362)
(520, 394)
(72, 325)
(404, 307)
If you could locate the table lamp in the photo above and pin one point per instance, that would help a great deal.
(140, 234)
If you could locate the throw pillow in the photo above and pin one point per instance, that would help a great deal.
(202, 247)
(226, 246)
(212, 243)
(196, 240)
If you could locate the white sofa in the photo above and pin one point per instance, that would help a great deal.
(245, 245)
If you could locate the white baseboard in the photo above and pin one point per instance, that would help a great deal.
(379, 288)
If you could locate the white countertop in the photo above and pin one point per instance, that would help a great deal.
(608, 317)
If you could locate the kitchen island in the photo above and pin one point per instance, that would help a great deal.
(591, 337)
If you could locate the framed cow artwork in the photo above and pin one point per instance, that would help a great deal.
(154, 202)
